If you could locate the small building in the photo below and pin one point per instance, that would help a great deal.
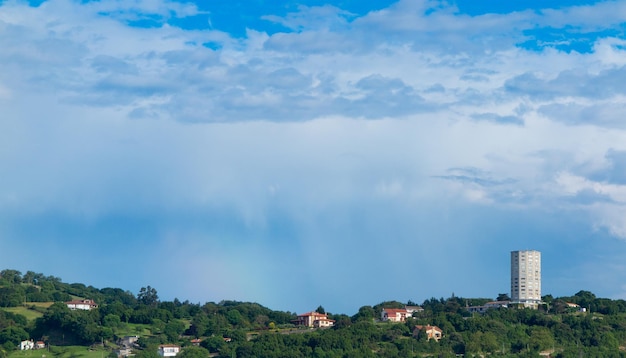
(432, 332)
(40, 345)
(487, 306)
(575, 307)
(394, 314)
(196, 342)
(413, 309)
(124, 352)
(81, 305)
(27, 345)
(128, 341)
(314, 320)
(168, 350)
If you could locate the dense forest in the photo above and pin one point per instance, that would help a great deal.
(32, 306)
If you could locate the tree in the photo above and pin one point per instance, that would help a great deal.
(29, 277)
(540, 338)
(13, 334)
(320, 309)
(199, 325)
(366, 313)
(11, 296)
(112, 321)
(148, 296)
(173, 329)
(585, 299)
(213, 344)
(147, 353)
(234, 317)
(11, 276)
(503, 297)
(193, 352)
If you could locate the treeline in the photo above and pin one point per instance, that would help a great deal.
(243, 329)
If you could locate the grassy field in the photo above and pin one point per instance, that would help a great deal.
(61, 352)
(30, 314)
(133, 329)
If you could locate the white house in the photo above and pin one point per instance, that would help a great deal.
(394, 314)
(168, 350)
(412, 309)
(81, 305)
(487, 306)
(26, 345)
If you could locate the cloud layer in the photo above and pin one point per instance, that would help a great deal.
(343, 151)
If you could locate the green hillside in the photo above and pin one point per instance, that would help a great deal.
(32, 306)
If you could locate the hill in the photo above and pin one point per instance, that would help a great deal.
(33, 307)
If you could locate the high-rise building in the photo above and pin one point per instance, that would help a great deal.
(526, 277)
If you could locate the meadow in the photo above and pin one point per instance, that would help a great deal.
(62, 352)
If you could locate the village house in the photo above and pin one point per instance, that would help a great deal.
(314, 320)
(30, 344)
(81, 305)
(27, 345)
(394, 314)
(399, 314)
(432, 332)
(575, 307)
(487, 306)
(128, 341)
(413, 309)
(124, 352)
(168, 350)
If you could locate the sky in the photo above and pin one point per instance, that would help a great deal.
(305, 153)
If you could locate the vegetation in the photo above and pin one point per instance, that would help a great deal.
(32, 307)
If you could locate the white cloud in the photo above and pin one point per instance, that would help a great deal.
(351, 133)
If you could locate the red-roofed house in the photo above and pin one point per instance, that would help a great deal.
(394, 314)
(81, 305)
(432, 332)
(314, 319)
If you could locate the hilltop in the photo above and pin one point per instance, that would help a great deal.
(113, 322)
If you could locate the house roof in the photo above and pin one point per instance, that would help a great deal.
(394, 310)
(429, 328)
(312, 313)
(80, 302)
(415, 308)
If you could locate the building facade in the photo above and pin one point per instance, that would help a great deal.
(168, 350)
(81, 305)
(526, 277)
(394, 314)
(314, 319)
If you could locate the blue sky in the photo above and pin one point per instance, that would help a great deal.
(301, 153)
